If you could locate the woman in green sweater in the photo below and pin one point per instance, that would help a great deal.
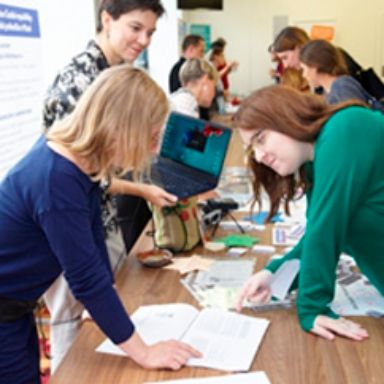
(335, 154)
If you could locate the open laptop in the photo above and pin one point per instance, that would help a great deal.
(191, 156)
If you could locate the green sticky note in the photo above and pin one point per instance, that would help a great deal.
(238, 240)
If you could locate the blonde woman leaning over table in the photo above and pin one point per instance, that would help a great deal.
(50, 220)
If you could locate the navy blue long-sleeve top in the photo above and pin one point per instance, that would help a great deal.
(50, 223)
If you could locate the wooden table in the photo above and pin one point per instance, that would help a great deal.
(287, 354)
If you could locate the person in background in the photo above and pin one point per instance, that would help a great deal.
(278, 68)
(198, 78)
(217, 57)
(50, 220)
(323, 66)
(193, 47)
(124, 30)
(287, 45)
(334, 153)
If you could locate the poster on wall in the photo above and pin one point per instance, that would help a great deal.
(318, 29)
(203, 30)
(21, 80)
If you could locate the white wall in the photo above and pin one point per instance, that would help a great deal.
(247, 25)
(164, 49)
(66, 27)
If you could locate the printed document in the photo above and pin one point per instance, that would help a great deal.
(283, 278)
(227, 340)
(240, 378)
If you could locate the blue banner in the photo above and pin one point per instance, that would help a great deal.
(17, 21)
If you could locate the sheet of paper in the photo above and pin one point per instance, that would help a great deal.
(283, 278)
(260, 248)
(191, 263)
(227, 340)
(220, 285)
(355, 296)
(195, 290)
(240, 378)
(226, 273)
(237, 251)
(220, 297)
(156, 323)
(246, 225)
(280, 236)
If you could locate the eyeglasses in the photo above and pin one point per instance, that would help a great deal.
(256, 140)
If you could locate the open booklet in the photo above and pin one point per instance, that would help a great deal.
(227, 340)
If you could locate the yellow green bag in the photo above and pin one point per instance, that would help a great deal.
(177, 227)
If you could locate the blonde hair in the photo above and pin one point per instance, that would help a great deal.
(194, 69)
(293, 78)
(115, 114)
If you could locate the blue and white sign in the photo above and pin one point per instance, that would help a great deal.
(21, 80)
(18, 21)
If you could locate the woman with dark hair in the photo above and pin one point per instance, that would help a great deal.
(324, 66)
(334, 153)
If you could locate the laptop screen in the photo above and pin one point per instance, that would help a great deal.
(196, 143)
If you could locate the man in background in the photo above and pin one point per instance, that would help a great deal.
(193, 47)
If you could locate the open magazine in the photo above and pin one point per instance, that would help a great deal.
(227, 340)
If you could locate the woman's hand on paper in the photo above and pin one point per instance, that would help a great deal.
(256, 289)
(328, 328)
(170, 354)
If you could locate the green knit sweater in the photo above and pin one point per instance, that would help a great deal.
(345, 209)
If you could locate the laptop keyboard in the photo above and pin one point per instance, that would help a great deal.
(177, 182)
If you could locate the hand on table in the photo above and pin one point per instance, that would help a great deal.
(256, 289)
(327, 328)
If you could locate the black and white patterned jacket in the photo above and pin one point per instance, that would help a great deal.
(69, 84)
